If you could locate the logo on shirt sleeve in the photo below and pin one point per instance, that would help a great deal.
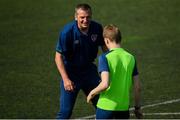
(94, 37)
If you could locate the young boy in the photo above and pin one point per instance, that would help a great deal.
(118, 72)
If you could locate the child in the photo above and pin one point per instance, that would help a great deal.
(117, 68)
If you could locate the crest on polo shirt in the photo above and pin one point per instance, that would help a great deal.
(94, 37)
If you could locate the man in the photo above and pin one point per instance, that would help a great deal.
(117, 68)
(76, 50)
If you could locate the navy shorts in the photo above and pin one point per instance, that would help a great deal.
(106, 114)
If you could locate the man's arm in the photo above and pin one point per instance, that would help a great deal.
(104, 84)
(137, 97)
(68, 84)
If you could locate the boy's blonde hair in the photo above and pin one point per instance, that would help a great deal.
(112, 32)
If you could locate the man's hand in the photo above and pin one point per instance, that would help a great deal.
(138, 113)
(68, 85)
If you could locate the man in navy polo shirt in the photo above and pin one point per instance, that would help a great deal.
(76, 50)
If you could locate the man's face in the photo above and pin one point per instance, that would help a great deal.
(83, 19)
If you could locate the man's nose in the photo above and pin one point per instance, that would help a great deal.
(86, 19)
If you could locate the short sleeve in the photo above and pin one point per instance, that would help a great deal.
(103, 64)
(61, 44)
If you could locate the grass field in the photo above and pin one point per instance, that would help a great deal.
(29, 81)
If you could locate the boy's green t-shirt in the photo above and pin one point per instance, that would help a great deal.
(121, 65)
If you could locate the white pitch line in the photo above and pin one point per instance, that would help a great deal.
(146, 106)
(145, 114)
(88, 117)
(157, 104)
(176, 113)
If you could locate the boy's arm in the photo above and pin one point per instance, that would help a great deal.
(103, 85)
(137, 90)
(137, 97)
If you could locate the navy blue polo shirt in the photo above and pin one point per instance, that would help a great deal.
(78, 49)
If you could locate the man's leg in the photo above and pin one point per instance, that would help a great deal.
(67, 101)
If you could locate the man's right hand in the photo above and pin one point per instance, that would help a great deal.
(68, 85)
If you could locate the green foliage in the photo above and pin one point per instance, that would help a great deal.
(28, 34)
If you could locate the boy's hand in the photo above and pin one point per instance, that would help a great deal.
(89, 97)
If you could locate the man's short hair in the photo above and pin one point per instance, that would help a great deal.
(83, 6)
(112, 32)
